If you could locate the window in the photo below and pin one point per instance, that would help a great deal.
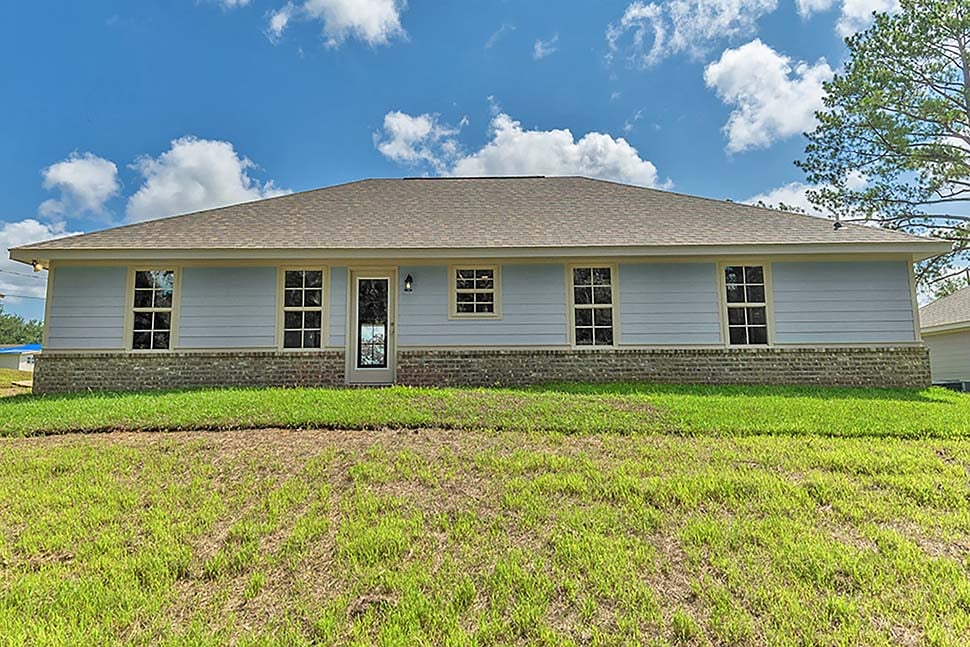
(152, 309)
(593, 306)
(747, 306)
(302, 308)
(475, 292)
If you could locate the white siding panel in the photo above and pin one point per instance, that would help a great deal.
(842, 302)
(87, 308)
(949, 356)
(228, 307)
(533, 310)
(338, 306)
(669, 304)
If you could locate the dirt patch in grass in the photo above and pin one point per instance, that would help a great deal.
(429, 536)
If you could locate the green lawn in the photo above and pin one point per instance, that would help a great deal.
(483, 538)
(9, 375)
(581, 515)
(621, 408)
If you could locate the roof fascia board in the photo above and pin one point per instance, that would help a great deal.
(919, 250)
(945, 328)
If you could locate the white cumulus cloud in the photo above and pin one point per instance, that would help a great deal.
(413, 139)
(17, 278)
(649, 32)
(857, 14)
(795, 194)
(544, 48)
(854, 15)
(375, 22)
(279, 20)
(807, 7)
(85, 182)
(194, 174)
(772, 96)
(514, 150)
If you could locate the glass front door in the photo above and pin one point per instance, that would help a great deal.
(370, 344)
(372, 333)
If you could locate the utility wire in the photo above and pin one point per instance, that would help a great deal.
(23, 296)
(29, 276)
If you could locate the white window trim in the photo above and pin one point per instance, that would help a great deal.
(571, 304)
(453, 291)
(281, 308)
(129, 318)
(722, 300)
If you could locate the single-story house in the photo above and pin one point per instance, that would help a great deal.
(946, 333)
(19, 357)
(481, 281)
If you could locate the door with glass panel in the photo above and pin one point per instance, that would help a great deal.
(370, 344)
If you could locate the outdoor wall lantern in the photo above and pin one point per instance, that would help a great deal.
(409, 283)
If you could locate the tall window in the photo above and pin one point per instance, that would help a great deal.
(303, 309)
(475, 292)
(152, 310)
(593, 306)
(747, 306)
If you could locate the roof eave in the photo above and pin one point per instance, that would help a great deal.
(918, 250)
(955, 326)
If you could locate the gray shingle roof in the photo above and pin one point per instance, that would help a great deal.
(951, 309)
(469, 213)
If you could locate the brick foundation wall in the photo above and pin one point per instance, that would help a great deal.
(55, 373)
(878, 367)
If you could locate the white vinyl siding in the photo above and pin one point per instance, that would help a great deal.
(337, 306)
(669, 304)
(227, 307)
(87, 309)
(842, 302)
(949, 356)
(533, 306)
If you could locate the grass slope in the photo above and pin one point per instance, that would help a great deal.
(483, 538)
(8, 376)
(624, 408)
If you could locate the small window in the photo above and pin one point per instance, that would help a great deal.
(152, 310)
(303, 309)
(747, 307)
(475, 292)
(593, 306)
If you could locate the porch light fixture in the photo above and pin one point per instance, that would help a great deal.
(409, 283)
(38, 266)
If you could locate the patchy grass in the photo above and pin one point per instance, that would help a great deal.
(483, 538)
(583, 409)
(8, 376)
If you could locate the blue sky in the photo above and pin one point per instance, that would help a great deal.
(118, 111)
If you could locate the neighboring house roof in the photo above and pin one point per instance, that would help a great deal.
(952, 310)
(20, 349)
(478, 213)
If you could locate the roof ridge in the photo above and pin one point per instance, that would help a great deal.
(746, 205)
(477, 177)
(947, 297)
(129, 225)
(536, 211)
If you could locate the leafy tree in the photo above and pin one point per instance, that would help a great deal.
(14, 329)
(899, 115)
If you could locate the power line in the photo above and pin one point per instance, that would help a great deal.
(23, 296)
(29, 276)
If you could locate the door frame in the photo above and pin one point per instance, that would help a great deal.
(352, 374)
